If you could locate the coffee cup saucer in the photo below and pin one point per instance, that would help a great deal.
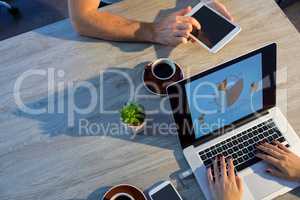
(158, 86)
(130, 190)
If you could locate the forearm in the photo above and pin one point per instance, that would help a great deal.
(172, 30)
(107, 26)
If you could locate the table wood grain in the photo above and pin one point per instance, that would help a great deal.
(42, 158)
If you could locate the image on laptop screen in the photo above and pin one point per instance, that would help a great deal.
(225, 96)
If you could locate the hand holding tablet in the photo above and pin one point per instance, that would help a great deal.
(216, 30)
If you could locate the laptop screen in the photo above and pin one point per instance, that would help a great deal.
(225, 96)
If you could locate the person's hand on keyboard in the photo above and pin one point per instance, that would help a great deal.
(283, 163)
(224, 184)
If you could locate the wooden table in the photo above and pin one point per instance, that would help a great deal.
(42, 158)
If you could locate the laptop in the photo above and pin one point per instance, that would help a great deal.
(227, 111)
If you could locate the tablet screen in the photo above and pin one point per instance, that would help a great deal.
(213, 27)
(167, 192)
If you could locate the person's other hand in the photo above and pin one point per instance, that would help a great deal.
(175, 28)
(221, 8)
(283, 163)
(226, 186)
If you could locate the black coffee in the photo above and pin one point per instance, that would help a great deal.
(163, 70)
(123, 197)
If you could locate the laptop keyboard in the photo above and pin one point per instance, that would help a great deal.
(242, 147)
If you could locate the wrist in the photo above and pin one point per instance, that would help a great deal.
(150, 29)
(145, 32)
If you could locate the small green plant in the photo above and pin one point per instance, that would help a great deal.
(133, 114)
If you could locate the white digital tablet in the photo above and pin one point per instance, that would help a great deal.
(164, 191)
(216, 30)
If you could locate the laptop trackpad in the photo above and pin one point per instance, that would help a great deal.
(261, 185)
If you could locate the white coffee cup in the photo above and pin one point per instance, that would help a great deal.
(122, 195)
(162, 61)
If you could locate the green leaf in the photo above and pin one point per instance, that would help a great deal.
(133, 114)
